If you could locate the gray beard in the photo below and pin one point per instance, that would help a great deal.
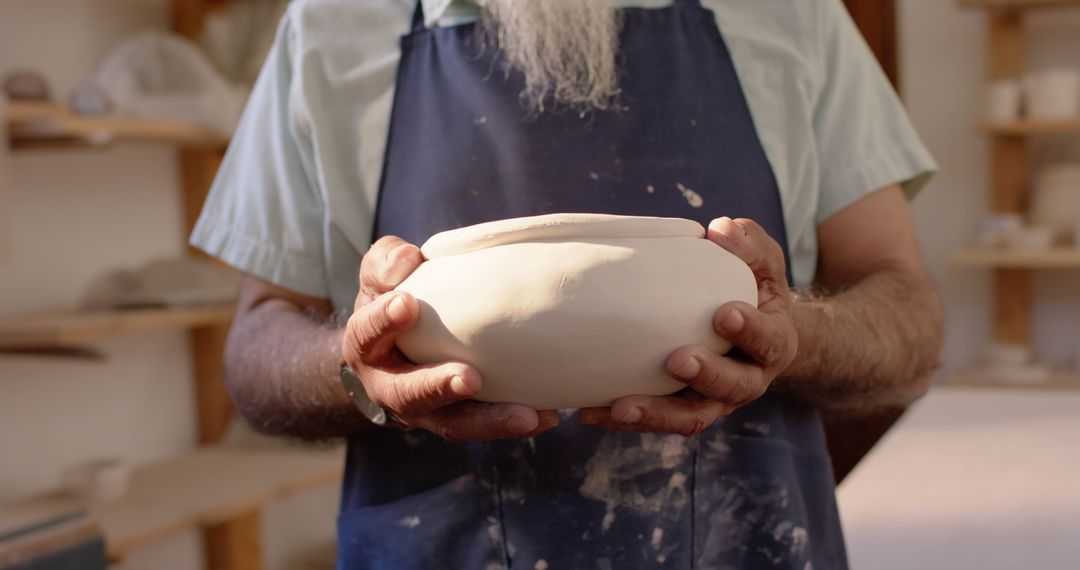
(566, 49)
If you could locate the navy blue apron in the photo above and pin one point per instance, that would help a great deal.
(754, 491)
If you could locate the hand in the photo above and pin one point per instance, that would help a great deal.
(720, 384)
(433, 397)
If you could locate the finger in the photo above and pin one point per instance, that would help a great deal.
(373, 328)
(684, 414)
(389, 261)
(752, 244)
(421, 389)
(718, 377)
(769, 338)
(478, 421)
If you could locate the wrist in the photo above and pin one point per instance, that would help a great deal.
(813, 317)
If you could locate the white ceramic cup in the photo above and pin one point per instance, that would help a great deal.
(1031, 238)
(994, 229)
(1003, 99)
(98, 481)
(1000, 354)
(1052, 94)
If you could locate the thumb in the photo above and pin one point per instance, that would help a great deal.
(373, 328)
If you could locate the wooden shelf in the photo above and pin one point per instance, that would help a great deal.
(72, 327)
(1017, 4)
(1030, 127)
(209, 486)
(1056, 381)
(1057, 258)
(46, 124)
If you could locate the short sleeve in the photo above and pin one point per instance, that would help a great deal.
(264, 214)
(864, 137)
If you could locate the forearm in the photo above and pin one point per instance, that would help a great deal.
(282, 369)
(877, 343)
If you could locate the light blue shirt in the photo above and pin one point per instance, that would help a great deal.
(294, 201)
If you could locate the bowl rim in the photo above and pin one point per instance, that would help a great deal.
(554, 227)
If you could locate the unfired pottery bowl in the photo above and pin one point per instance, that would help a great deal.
(1056, 201)
(571, 310)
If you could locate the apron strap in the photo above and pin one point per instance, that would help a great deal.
(418, 17)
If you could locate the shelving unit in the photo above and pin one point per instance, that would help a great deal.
(46, 124)
(1010, 167)
(210, 486)
(1030, 127)
(66, 328)
(1056, 381)
(216, 489)
(1018, 4)
(1057, 258)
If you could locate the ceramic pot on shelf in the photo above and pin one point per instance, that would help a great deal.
(1056, 201)
(1052, 94)
(571, 310)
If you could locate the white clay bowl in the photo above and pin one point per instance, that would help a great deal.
(571, 310)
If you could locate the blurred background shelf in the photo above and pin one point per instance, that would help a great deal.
(1030, 127)
(33, 124)
(1056, 381)
(73, 326)
(1057, 258)
(1019, 4)
(211, 486)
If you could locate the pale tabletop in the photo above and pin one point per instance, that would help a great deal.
(971, 479)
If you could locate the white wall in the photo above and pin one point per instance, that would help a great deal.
(942, 51)
(72, 215)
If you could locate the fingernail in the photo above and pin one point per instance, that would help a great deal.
(519, 425)
(632, 416)
(394, 254)
(689, 369)
(397, 309)
(459, 386)
(733, 322)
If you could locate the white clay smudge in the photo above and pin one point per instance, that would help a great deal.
(410, 522)
(693, 198)
(540, 565)
(657, 538)
(650, 189)
(762, 428)
(612, 474)
(480, 120)
(609, 519)
(799, 539)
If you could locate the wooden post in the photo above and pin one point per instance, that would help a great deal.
(188, 15)
(215, 408)
(876, 20)
(1009, 168)
(235, 544)
(197, 171)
